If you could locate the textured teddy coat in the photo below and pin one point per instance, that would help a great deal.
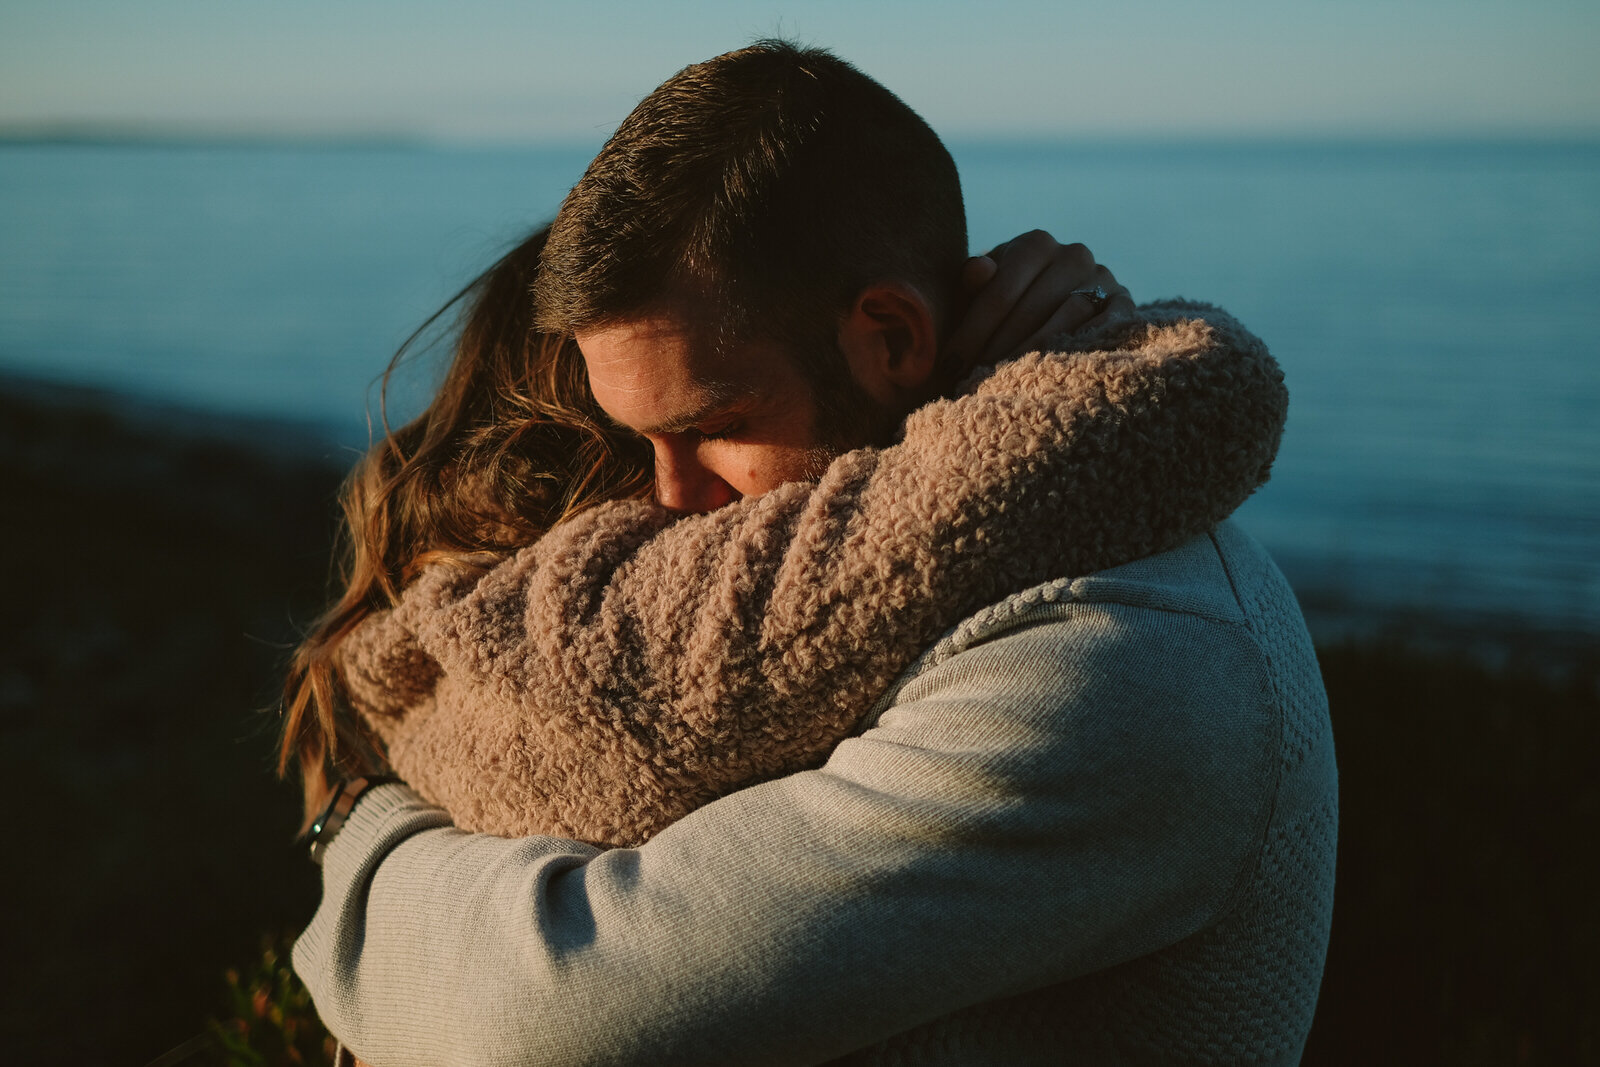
(632, 665)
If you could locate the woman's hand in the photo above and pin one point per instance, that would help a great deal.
(1021, 295)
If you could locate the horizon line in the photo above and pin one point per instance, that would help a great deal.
(181, 135)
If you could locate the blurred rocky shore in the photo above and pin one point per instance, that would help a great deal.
(156, 565)
(159, 565)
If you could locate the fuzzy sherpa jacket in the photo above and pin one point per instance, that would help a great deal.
(632, 665)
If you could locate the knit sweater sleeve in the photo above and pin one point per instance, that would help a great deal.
(1070, 795)
(629, 668)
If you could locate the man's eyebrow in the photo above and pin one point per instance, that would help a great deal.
(718, 400)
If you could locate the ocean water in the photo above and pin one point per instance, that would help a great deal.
(1430, 304)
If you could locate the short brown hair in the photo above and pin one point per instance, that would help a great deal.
(777, 181)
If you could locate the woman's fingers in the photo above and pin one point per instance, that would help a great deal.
(966, 340)
(1027, 292)
(1046, 307)
(1070, 318)
(1019, 262)
(1118, 300)
(978, 272)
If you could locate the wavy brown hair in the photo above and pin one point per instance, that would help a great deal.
(511, 444)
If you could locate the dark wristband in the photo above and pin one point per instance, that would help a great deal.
(326, 828)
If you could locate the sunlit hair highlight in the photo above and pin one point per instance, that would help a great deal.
(511, 444)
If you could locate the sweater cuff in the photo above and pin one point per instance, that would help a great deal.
(384, 816)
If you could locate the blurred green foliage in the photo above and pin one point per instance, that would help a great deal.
(270, 1019)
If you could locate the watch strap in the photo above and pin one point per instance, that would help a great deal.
(326, 827)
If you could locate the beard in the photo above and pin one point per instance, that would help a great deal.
(847, 422)
(847, 417)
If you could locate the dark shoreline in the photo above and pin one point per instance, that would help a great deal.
(157, 571)
(51, 407)
(161, 564)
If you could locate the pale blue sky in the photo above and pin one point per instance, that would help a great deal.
(500, 70)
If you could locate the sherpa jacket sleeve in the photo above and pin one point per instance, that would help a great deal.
(1081, 789)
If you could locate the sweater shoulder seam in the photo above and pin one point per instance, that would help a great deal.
(1272, 699)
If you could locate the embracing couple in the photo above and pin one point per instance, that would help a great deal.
(786, 640)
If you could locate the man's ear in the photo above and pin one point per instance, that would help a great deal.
(891, 343)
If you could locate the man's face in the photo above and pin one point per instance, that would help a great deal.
(724, 423)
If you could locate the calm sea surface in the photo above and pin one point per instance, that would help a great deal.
(1432, 307)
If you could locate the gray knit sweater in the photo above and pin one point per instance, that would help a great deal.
(1094, 824)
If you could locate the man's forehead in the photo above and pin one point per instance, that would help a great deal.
(660, 374)
(666, 335)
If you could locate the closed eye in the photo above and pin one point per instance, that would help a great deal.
(720, 433)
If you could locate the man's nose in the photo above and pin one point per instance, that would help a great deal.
(683, 483)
